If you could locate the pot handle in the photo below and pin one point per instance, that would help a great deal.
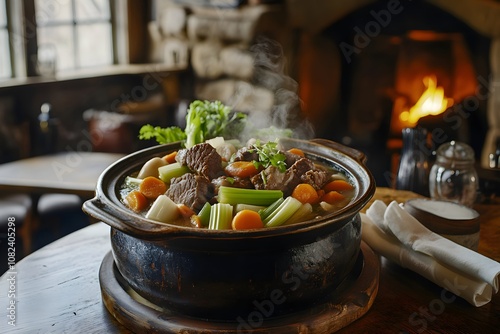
(139, 228)
(353, 153)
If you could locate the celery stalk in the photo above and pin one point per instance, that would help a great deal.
(299, 215)
(221, 216)
(264, 213)
(240, 207)
(168, 172)
(289, 206)
(235, 196)
(133, 181)
(204, 214)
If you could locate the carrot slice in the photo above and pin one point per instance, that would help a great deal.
(246, 220)
(152, 187)
(136, 201)
(185, 210)
(338, 185)
(305, 193)
(321, 192)
(170, 158)
(297, 151)
(243, 169)
(332, 197)
(196, 221)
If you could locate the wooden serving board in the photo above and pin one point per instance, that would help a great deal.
(351, 300)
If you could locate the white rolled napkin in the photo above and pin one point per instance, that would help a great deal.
(397, 235)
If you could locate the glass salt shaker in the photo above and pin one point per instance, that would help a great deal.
(453, 176)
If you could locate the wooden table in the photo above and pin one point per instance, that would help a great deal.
(64, 173)
(58, 291)
(68, 172)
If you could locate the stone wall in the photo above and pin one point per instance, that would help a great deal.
(240, 56)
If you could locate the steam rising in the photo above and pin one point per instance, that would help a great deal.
(269, 72)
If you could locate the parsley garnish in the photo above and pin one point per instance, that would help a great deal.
(269, 155)
(162, 135)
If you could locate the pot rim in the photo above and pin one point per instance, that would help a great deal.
(106, 204)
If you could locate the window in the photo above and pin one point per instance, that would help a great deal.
(40, 37)
(5, 62)
(73, 34)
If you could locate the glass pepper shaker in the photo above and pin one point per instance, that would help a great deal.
(413, 172)
(453, 176)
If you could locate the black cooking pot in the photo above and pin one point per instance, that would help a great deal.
(231, 274)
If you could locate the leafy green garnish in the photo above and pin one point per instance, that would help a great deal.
(162, 135)
(269, 155)
(204, 120)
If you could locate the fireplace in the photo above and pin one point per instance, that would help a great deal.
(367, 69)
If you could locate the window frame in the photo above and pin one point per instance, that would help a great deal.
(124, 16)
(7, 30)
(23, 41)
(74, 23)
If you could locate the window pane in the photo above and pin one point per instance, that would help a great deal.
(53, 11)
(62, 39)
(5, 69)
(94, 51)
(92, 9)
(3, 16)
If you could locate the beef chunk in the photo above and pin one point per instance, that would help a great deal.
(301, 166)
(316, 178)
(288, 180)
(202, 159)
(246, 154)
(295, 173)
(291, 158)
(191, 190)
(235, 182)
(274, 179)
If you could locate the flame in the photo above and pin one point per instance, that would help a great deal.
(432, 102)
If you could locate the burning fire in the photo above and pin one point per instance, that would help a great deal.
(432, 102)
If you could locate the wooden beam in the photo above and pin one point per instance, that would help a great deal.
(138, 17)
(314, 16)
(481, 15)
